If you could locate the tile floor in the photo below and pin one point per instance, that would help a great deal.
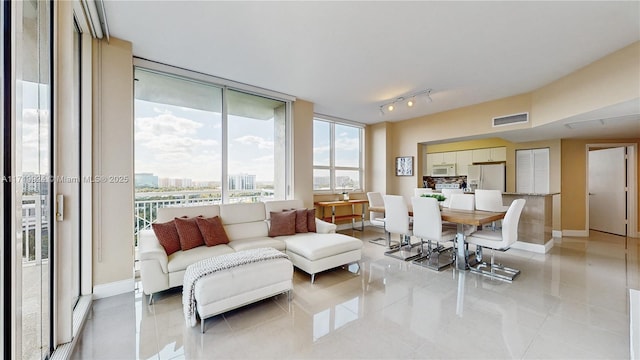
(571, 303)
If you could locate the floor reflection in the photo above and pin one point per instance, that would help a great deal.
(572, 302)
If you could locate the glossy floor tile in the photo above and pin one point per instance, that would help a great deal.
(571, 303)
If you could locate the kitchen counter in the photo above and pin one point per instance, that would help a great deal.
(535, 226)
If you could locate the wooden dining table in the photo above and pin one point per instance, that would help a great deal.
(460, 218)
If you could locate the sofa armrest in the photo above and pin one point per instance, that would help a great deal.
(323, 227)
(149, 249)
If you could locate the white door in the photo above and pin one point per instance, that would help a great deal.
(607, 195)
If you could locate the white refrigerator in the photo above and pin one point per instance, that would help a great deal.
(486, 177)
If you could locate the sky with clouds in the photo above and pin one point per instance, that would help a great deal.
(177, 142)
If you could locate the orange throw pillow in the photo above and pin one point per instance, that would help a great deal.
(301, 221)
(311, 220)
(282, 223)
(167, 235)
(190, 236)
(212, 231)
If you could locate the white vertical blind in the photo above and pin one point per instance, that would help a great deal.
(532, 171)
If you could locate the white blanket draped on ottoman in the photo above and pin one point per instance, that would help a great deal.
(209, 266)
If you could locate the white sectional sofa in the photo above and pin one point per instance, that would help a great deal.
(247, 227)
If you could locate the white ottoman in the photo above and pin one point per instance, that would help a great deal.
(313, 253)
(238, 286)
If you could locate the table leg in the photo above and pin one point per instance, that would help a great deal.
(462, 262)
(364, 205)
(333, 214)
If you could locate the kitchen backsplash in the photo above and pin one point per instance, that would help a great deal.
(430, 181)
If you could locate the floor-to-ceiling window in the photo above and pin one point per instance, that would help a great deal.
(33, 132)
(5, 186)
(198, 141)
(337, 156)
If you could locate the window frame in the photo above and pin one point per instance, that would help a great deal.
(332, 153)
(225, 86)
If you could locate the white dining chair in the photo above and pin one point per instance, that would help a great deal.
(498, 240)
(447, 195)
(490, 200)
(427, 225)
(376, 218)
(419, 191)
(463, 202)
(397, 221)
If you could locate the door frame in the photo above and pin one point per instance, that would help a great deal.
(632, 183)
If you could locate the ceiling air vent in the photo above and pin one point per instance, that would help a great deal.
(511, 119)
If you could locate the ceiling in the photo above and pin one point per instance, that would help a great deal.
(349, 58)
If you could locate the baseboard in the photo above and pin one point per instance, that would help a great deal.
(556, 233)
(634, 319)
(113, 289)
(578, 233)
(536, 248)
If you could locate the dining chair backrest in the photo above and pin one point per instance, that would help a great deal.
(462, 202)
(419, 191)
(427, 221)
(396, 214)
(375, 199)
(510, 223)
(447, 195)
(489, 200)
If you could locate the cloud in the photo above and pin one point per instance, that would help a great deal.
(344, 143)
(167, 123)
(255, 140)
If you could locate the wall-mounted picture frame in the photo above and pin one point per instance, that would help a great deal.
(404, 166)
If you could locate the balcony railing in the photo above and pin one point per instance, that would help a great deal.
(35, 228)
(148, 203)
(35, 214)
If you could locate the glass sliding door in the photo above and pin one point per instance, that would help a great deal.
(5, 188)
(33, 175)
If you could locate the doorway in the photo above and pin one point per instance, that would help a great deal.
(612, 188)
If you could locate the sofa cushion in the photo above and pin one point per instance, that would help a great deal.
(311, 220)
(212, 231)
(190, 235)
(167, 235)
(282, 223)
(314, 246)
(242, 213)
(301, 221)
(181, 259)
(257, 242)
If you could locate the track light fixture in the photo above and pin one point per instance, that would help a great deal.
(410, 101)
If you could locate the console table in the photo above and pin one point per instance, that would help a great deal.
(339, 203)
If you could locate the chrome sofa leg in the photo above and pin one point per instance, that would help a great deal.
(150, 298)
(313, 278)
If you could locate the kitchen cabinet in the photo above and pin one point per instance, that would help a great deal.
(439, 159)
(489, 154)
(464, 158)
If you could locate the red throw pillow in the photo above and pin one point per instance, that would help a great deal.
(282, 223)
(167, 235)
(212, 231)
(301, 221)
(311, 220)
(190, 236)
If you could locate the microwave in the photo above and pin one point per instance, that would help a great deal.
(443, 170)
